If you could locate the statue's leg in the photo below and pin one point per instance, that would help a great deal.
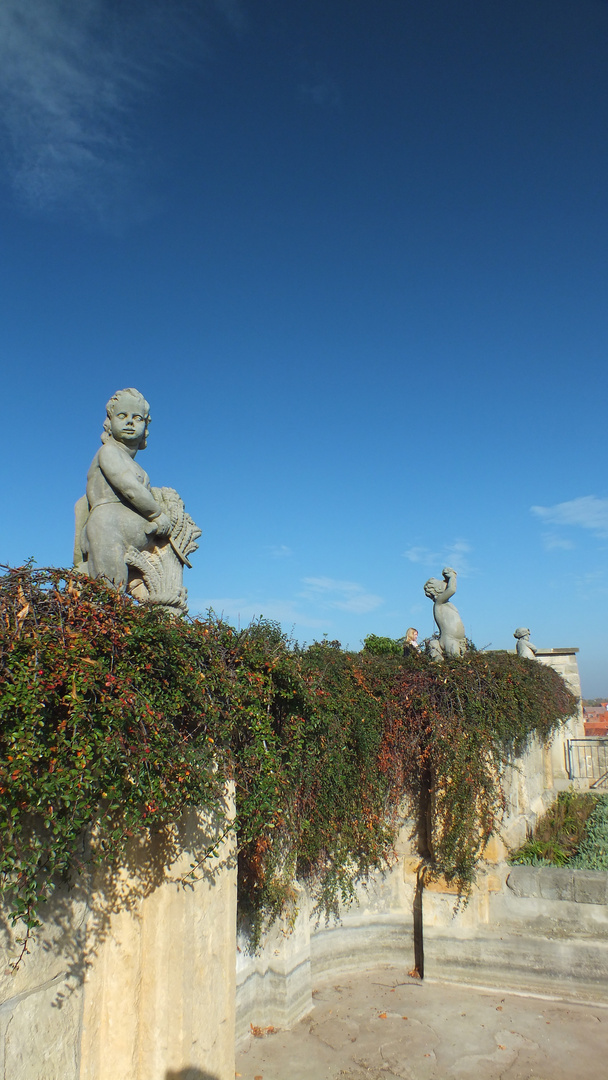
(454, 646)
(111, 529)
(106, 557)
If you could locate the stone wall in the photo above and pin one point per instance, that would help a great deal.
(539, 932)
(131, 976)
(275, 986)
(547, 939)
(524, 929)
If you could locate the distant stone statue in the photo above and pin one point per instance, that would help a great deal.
(136, 537)
(524, 645)
(452, 638)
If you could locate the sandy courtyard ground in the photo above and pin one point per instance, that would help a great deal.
(383, 1024)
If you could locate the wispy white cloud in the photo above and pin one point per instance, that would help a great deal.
(321, 91)
(234, 13)
(421, 555)
(593, 584)
(66, 81)
(310, 607)
(71, 75)
(344, 595)
(553, 542)
(242, 609)
(318, 85)
(279, 551)
(454, 554)
(588, 512)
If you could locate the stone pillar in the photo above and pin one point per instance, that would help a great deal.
(564, 662)
(133, 978)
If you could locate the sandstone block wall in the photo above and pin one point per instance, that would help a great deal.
(131, 977)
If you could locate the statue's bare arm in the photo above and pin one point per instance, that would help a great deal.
(449, 576)
(120, 473)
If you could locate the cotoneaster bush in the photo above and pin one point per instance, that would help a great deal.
(105, 722)
(115, 717)
(451, 729)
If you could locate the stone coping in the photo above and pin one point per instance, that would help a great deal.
(559, 883)
(556, 652)
(541, 652)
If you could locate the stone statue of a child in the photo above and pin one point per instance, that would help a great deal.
(122, 511)
(524, 645)
(136, 537)
(452, 637)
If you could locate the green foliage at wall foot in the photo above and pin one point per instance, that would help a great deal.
(592, 853)
(573, 832)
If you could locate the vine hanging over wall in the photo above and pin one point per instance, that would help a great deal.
(115, 717)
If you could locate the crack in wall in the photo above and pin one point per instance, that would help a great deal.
(9, 1003)
(7, 1010)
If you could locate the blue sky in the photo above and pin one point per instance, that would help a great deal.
(355, 256)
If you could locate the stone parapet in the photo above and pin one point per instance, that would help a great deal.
(559, 883)
(538, 929)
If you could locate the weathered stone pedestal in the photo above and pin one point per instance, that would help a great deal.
(131, 977)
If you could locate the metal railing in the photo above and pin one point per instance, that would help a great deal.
(587, 759)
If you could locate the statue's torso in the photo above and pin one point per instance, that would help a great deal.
(526, 649)
(99, 488)
(448, 620)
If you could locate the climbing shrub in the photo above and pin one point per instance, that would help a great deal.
(450, 730)
(115, 717)
(105, 723)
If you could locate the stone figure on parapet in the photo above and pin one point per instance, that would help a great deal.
(452, 639)
(524, 645)
(136, 537)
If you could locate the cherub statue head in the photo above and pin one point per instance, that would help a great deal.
(127, 414)
(433, 587)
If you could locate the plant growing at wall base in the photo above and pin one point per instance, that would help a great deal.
(573, 832)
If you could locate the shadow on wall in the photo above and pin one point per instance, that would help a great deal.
(77, 919)
(190, 1074)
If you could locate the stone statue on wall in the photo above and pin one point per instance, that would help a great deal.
(452, 638)
(135, 536)
(524, 645)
